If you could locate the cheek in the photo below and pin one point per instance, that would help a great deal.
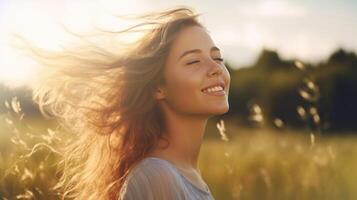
(183, 90)
(227, 77)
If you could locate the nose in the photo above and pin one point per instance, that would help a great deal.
(214, 68)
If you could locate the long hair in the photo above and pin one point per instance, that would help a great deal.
(106, 98)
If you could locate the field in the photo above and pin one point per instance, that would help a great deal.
(254, 164)
(265, 164)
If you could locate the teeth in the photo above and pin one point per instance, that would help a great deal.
(213, 89)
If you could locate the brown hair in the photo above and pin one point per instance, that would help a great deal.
(106, 98)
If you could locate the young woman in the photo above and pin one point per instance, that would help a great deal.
(139, 114)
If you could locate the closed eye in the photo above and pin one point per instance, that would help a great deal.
(197, 61)
(220, 59)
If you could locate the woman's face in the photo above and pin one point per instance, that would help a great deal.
(196, 80)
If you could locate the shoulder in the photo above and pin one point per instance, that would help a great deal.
(153, 168)
(153, 178)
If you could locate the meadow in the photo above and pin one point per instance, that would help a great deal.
(238, 164)
(269, 164)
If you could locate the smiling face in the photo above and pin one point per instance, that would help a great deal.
(196, 80)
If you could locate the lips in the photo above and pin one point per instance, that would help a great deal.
(221, 84)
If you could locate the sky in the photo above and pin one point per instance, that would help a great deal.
(297, 29)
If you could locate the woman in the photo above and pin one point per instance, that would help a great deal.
(139, 114)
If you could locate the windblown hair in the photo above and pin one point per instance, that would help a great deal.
(106, 98)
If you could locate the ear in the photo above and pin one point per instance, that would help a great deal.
(159, 93)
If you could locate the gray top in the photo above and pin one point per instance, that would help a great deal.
(158, 179)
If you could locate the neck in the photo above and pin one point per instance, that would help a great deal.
(185, 134)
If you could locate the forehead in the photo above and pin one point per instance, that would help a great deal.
(193, 37)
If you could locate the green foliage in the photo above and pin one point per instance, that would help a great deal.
(274, 84)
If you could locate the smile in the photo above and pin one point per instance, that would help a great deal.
(214, 91)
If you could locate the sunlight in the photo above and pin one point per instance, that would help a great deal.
(37, 28)
(42, 23)
(15, 70)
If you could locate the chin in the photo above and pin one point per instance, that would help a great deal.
(220, 110)
(224, 111)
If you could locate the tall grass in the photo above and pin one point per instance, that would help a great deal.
(28, 155)
(266, 164)
(245, 164)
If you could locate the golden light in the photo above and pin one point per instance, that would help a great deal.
(42, 24)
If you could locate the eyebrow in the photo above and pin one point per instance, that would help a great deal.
(214, 48)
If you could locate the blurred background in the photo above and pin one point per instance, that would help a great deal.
(291, 131)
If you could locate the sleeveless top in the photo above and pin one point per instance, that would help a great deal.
(158, 179)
